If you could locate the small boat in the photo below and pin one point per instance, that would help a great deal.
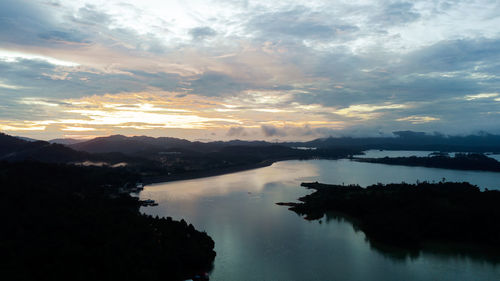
(148, 202)
(201, 277)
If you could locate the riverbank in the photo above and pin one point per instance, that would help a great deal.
(205, 173)
(411, 215)
(218, 172)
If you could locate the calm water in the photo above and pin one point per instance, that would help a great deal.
(375, 153)
(258, 240)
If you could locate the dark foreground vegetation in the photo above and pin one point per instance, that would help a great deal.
(412, 215)
(63, 222)
(461, 161)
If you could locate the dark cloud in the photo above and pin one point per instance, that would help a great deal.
(40, 78)
(63, 36)
(90, 15)
(299, 23)
(445, 70)
(202, 32)
(216, 84)
(236, 132)
(454, 55)
(344, 54)
(20, 21)
(272, 131)
(396, 13)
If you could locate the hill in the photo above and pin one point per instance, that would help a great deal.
(16, 149)
(66, 141)
(409, 140)
(129, 145)
(411, 215)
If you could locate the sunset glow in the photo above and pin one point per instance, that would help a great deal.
(226, 70)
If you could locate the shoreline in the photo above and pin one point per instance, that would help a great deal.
(235, 169)
(410, 216)
(214, 172)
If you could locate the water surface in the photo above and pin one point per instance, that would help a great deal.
(258, 240)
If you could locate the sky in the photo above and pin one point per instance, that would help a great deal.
(269, 70)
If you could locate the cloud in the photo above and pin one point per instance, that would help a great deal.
(91, 16)
(63, 37)
(396, 13)
(418, 119)
(271, 131)
(299, 23)
(481, 96)
(236, 132)
(216, 84)
(202, 32)
(291, 69)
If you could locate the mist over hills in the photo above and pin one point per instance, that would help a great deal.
(409, 140)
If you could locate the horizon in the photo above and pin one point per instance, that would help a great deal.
(226, 70)
(391, 135)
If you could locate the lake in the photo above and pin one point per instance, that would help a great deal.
(257, 240)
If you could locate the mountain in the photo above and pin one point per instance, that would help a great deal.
(16, 149)
(409, 140)
(26, 139)
(144, 146)
(123, 144)
(141, 145)
(66, 141)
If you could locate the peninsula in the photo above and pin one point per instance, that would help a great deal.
(461, 161)
(411, 215)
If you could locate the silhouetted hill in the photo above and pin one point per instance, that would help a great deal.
(409, 140)
(13, 149)
(26, 139)
(66, 141)
(147, 145)
(128, 145)
(10, 144)
(16, 149)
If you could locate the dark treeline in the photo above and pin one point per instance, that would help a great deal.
(63, 222)
(412, 215)
(461, 161)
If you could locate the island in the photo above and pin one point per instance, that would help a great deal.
(69, 222)
(461, 161)
(411, 216)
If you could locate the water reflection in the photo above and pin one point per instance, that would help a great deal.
(253, 181)
(375, 153)
(442, 251)
(258, 240)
